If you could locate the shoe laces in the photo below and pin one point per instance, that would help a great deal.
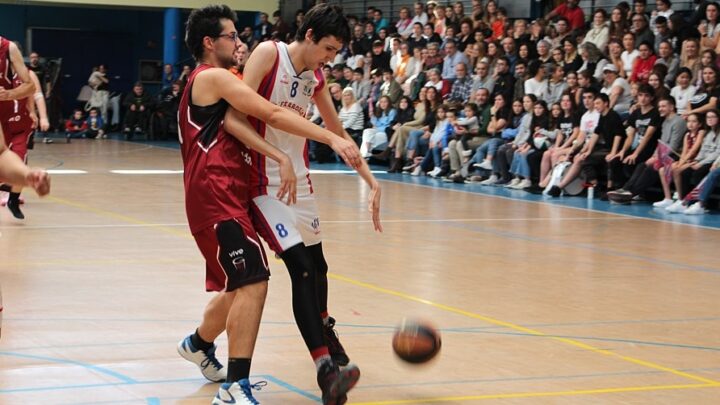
(332, 335)
(247, 390)
(210, 359)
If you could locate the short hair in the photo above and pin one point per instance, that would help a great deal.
(359, 71)
(660, 20)
(645, 88)
(324, 20)
(205, 22)
(670, 100)
(604, 97)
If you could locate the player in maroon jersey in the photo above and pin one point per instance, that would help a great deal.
(217, 200)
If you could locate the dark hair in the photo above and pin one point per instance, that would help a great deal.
(660, 20)
(604, 97)
(684, 70)
(359, 71)
(324, 20)
(645, 88)
(670, 100)
(205, 22)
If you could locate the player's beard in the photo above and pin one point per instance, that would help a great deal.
(226, 61)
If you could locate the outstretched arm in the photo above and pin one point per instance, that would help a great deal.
(325, 105)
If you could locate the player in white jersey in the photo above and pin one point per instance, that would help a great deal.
(290, 76)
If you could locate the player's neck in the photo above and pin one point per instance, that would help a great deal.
(296, 50)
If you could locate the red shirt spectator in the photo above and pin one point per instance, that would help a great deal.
(572, 12)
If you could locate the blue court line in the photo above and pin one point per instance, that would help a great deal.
(101, 370)
(287, 387)
(292, 388)
(153, 401)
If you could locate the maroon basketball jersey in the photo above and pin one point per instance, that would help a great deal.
(14, 114)
(217, 165)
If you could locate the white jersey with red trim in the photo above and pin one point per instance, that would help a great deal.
(284, 87)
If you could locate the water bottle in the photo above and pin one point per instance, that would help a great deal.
(591, 192)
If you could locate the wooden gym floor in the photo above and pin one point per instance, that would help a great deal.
(537, 302)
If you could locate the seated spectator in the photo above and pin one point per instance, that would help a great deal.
(431, 164)
(671, 135)
(667, 57)
(94, 125)
(599, 33)
(588, 123)
(537, 83)
(556, 85)
(380, 58)
(390, 88)
(406, 66)
(701, 193)
(642, 137)
(683, 92)
(617, 89)
(692, 172)
(629, 54)
(466, 138)
(707, 94)
(138, 105)
(691, 143)
(571, 12)
(351, 115)
(482, 78)
(519, 136)
(564, 125)
(402, 131)
(643, 63)
(520, 167)
(405, 113)
(461, 88)
(381, 119)
(76, 125)
(500, 118)
(360, 87)
(168, 109)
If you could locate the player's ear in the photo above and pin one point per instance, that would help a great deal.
(309, 35)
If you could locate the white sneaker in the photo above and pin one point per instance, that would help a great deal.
(416, 171)
(435, 172)
(664, 203)
(676, 196)
(489, 182)
(237, 393)
(209, 365)
(676, 207)
(526, 183)
(695, 209)
(513, 183)
(485, 164)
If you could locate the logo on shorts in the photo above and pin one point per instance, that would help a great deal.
(236, 253)
(238, 260)
(316, 225)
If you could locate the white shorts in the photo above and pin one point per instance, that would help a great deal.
(283, 226)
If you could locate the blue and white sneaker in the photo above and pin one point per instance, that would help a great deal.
(208, 363)
(239, 393)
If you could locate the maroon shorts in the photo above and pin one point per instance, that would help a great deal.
(234, 256)
(18, 143)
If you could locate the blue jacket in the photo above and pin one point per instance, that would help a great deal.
(385, 120)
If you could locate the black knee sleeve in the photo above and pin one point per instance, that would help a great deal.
(321, 268)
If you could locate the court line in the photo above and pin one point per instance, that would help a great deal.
(94, 262)
(424, 301)
(516, 327)
(541, 394)
(361, 221)
(556, 204)
(101, 370)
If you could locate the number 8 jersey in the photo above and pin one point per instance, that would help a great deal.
(284, 87)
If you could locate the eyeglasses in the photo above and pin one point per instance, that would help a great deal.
(233, 36)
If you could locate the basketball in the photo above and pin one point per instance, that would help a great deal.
(416, 342)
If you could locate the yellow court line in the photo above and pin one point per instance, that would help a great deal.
(448, 308)
(540, 394)
(119, 217)
(513, 326)
(93, 262)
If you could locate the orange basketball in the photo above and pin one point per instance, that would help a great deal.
(416, 342)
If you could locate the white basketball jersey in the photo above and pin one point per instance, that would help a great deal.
(284, 87)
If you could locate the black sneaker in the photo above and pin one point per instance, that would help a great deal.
(555, 191)
(336, 383)
(337, 351)
(14, 207)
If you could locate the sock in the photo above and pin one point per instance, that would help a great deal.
(321, 356)
(14, 197)
(238, 369)
(325, 318)
(199, 343)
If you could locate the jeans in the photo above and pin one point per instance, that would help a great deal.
(520, 166)
(416, 142)
(432, 159)
(711, 181)
(489, 148)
